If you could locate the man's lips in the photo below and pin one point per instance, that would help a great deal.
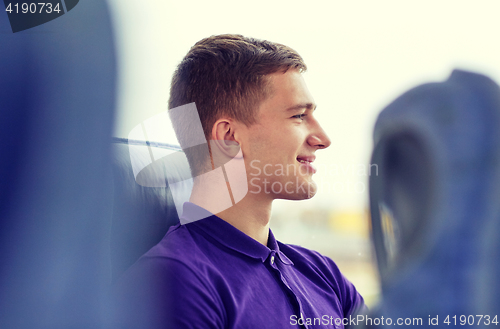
(306, 158)
(306, 161)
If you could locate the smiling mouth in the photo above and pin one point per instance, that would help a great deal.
(306, 158)
(306, 162)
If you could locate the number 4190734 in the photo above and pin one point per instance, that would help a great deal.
(471, 320)
(32, 8)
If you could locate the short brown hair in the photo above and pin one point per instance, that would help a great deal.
(225, 75)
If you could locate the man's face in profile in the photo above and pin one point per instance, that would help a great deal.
(280, 147)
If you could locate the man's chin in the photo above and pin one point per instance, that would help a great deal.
(311, 191)
(302, 190)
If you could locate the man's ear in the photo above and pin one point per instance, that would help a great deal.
(223, 139)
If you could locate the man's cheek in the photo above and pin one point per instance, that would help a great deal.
(254, 168)
(255, 187)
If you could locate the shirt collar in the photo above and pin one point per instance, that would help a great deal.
(229, 236)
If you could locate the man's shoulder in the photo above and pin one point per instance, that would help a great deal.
(176, 242)
(312, 262)
(318, 267)
(307, 255)
(181, 245)
(147, 293)
(178, 256)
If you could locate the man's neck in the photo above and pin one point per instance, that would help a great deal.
(250, 215)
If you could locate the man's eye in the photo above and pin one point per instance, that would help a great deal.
(299, 116)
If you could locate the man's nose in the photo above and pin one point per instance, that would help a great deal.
(319, 138)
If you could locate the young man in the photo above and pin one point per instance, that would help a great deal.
(227, 270)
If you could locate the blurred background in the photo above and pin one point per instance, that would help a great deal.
(360, 56)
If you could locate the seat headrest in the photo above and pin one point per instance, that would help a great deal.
(141, 214)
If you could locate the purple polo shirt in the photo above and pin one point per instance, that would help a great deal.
(208, 274)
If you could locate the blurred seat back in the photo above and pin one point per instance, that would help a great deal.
(435, 204)
(57, 101)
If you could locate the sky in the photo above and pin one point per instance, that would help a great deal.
(361, 55)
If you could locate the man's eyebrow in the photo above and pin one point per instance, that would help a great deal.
(308, 106)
